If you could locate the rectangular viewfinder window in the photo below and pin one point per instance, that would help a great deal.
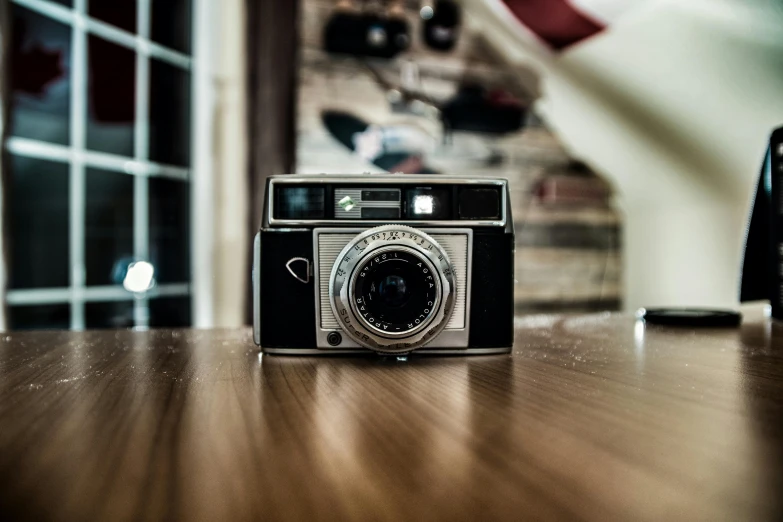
(380, 213)
(479, 203)
(429, 203)
(300, 203)
(381, 195)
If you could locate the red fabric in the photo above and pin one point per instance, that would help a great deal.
(556, 22)
(500, 97)
(412, 165)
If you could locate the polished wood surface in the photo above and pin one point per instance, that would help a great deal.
(591, 418)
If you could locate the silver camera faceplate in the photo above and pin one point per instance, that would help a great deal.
(458, 244)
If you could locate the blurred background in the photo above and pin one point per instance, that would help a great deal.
(137, 136)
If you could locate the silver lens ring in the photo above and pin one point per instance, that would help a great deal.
(376, 242)
(429, 308)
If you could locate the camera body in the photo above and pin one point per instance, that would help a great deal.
(385, 263)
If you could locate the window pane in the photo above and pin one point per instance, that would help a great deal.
(116, 314)
(40, 317)
(170, 312)
(120, 13)
(68, 3)
(109, 225)
(38, 201)
(169, 114)
(171, 24)
(112, 97)
(169, 229)
(40, 84)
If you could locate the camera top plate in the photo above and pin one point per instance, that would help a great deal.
(303, 200)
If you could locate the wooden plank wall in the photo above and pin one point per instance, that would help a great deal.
(569, 253)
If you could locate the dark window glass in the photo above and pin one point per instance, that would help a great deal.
(380, 195)
(69, 3)
(40, 317)
(170, 312)
(300, 203)
(38, 201)
(169, 229)
(120, 13)
(171, 24)
(109, 225)
(479, 203)
(40, 83)
(169, 114)
(111, 97)
(380, 213)
(116, 314)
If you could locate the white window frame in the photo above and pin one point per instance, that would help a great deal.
(199, 175)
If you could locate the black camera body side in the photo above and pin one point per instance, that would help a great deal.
(306, 222)
(762, 269)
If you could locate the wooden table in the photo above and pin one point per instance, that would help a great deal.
(592, 417)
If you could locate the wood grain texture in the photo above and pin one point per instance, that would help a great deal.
(591, 418)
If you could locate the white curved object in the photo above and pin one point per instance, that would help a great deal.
(674, 102)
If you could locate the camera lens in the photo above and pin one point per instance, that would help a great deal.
(396, 291)
(393, 290)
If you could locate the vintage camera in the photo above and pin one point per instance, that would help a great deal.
(388, 263)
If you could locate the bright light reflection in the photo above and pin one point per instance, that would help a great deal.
(638, 341)
(140, 277)
(422, 205)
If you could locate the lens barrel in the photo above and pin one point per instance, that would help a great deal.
(395, 291)
(392, 288)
